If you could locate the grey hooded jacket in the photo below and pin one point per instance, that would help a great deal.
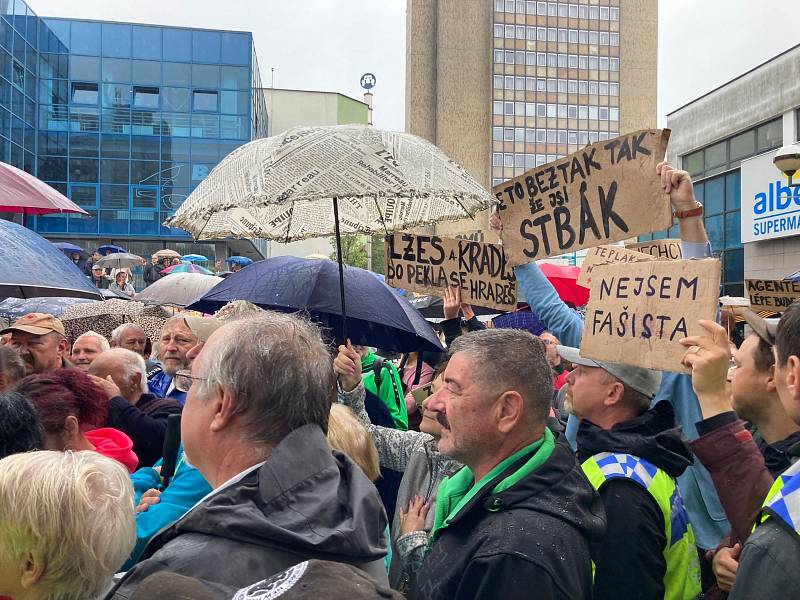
(304, 502)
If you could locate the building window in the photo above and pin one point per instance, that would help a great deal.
(510, 32)
(205, 101)
(498, 82)
(594, 12)
(614, 89)
(18, 73)
(508, 108)
(146, 97)
(573, 36)
(604, 13)
(614, 64)
(84, 93)
(614, 14)
(770, 135)
(615, 39)
(497, 159)
(498, 30)
(497, 134)
(573, 11)
(508, 134)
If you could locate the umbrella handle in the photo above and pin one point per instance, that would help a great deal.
(341, 267)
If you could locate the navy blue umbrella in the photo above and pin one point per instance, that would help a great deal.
(67, 247)
(30, 267)
(110, 249)
(376, 315)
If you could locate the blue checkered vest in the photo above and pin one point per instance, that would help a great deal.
(783, 499)
(682, 577)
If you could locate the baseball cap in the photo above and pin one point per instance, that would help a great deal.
(644, 381)
(97, 268)
(202, 327)
(37, 324)
(766, 329)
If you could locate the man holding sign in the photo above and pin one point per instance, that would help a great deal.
(702, 502)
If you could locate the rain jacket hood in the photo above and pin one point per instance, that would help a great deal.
(113, 444)
(653, 436)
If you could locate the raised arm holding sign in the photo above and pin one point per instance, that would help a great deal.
(603, 193)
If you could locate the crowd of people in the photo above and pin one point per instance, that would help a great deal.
(246, 455)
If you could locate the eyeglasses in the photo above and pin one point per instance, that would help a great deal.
(183, 380)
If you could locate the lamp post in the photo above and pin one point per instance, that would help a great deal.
(787, 159)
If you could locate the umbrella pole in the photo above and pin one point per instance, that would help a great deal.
(341, 267)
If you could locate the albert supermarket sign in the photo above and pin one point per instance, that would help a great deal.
(770, 208)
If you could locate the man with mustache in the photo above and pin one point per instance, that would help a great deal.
(177, 338)
(519, 518)
(40, 340)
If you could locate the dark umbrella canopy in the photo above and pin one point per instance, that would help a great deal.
(110, 249)
(67, 247)
(30, 266)
(12, 309)
(376, 315)
(432, 307)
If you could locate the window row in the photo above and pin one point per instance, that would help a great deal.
(561, 111)
(558, 9)
(124, 172)
(555, 34)
(123, 40)
(170, 150)
(551, 59)
(545, 136)
(562, 86)
(146, 72)
(110, 222)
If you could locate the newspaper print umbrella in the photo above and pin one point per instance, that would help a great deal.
(105, 316)
(319, 181)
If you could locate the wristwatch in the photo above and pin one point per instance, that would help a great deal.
(692, 212)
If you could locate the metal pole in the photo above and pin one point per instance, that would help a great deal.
(341, 268)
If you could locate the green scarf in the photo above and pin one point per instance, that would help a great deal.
(456, 491)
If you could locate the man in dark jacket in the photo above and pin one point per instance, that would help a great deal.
(770, 558)
(152, 272)
(633, 456)
(134, 411)
(516, 521)
(254, 426)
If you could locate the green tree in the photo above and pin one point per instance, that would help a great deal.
(353, 251)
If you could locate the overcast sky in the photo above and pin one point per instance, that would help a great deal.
(329, 44)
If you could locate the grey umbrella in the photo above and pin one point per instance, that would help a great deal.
(179, 289)
(119, 260)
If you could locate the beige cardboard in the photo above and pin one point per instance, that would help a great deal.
(604, 255)
(638, 312)
(603, 193)
(428, 264)
(776, 296)
(670, 249)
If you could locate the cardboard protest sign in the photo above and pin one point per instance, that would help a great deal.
(776, 296)
(659, 248)
(603, 193)
(638, 312)
(429, 264)
(604, 255)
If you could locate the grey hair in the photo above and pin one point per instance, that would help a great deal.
(104, 345)
(132, 363)
(118, 331)
(510, 359)
(238, 309)
(278, 369)
(12, 364)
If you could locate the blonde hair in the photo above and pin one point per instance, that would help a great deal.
(74, 511)
(347, 435)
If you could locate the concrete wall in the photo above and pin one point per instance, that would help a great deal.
(638, 77)
(293, 108)
(448, 85)
(759, 95)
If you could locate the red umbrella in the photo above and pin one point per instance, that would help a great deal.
(565, 280)
(23, 193)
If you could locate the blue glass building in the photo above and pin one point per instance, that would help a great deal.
(124, 119)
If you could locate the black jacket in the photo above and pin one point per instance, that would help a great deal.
(530, 541)
(631, 555)
(778, 456)
(152, 273)
(304, 502)
(145, 424)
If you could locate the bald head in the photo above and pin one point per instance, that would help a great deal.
(129, 336)
(126, 368)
